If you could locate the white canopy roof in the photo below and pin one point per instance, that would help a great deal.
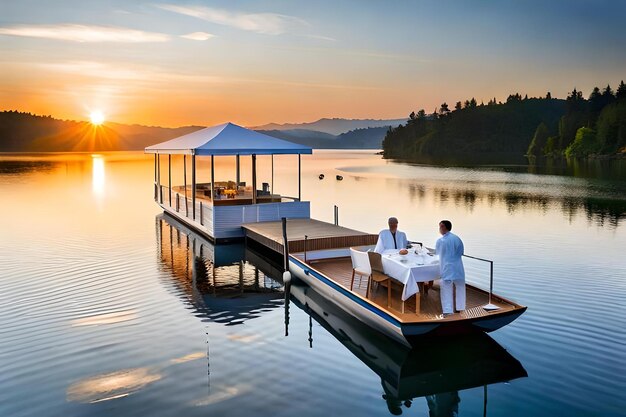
(227, 139)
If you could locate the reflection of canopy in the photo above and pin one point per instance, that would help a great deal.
(214, 280)
(438, 365)
(227, 139)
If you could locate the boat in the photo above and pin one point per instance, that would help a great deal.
(436, 369)
(324, 264)
(316, 252)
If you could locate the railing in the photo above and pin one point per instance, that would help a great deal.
(470, 269)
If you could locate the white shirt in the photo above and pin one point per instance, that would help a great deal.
(386, 241)
(450, 250)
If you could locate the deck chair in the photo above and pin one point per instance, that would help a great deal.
(378, 276)
(360, 266)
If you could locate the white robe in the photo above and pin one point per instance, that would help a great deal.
(385, 241)
(450, 249)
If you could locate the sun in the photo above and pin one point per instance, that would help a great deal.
(96, 117)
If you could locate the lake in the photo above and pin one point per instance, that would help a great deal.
(104, 312)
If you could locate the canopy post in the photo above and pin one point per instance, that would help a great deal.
(299, 177)
(272, 173)
(213, 179)
(237, 172)
(155, 177)
(253, 178)
(159, 193)
(193, 184)
(185, 184)
(169, 176)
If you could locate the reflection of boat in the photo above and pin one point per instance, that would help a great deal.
(436, 367)
(216, 280)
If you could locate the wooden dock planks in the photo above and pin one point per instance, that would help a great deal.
(320, 235)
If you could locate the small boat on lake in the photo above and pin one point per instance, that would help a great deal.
(319, 254)
(316, 252)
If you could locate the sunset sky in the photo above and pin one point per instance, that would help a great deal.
(205, 62)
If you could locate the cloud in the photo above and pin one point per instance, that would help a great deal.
(84, 33)
(267, 23)
(198, 36)
(320, 37)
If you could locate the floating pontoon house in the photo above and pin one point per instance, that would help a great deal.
(218, 209)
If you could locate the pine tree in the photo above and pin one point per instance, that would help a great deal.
(621, 91)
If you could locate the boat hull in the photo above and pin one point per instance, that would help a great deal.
(408, 334)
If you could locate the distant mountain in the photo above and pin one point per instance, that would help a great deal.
(333, 126)
(25, 132)
(369, 138)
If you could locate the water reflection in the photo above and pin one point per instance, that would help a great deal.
(112, 385)
(17, 167)
(97, 175)
(601, 211)
(216, 280)
(436, 370)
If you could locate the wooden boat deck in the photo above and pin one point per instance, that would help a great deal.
(320, 235)
(340, 271)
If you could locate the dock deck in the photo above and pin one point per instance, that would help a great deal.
(320, 235)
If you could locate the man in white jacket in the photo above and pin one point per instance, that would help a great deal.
(391, 239)
(450, 249)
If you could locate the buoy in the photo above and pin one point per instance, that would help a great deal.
(339, 177)
(321, 176)
(286, 277)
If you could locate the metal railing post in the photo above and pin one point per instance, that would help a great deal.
(305, 239)
(336, 216)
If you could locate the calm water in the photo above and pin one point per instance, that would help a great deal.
(104, 310)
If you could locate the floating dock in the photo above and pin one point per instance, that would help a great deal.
(318, 235)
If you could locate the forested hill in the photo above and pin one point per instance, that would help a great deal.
(475, 129)
(25, 132)
(522, 126)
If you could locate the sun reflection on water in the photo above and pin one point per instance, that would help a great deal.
(97, 175)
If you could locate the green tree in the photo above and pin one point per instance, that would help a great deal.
(458, 106)
(539, 141)
(612, 128)
(584, 144)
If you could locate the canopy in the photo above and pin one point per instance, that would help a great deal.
(227, 139)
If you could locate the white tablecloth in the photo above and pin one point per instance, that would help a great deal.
(411, 269)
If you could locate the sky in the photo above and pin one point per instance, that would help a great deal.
(192, 62)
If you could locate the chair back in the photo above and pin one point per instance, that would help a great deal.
(376, 261)
(360, 261)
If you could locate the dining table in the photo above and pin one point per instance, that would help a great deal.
(410, 269)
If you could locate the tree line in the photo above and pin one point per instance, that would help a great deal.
(522, 125)
(593, 126)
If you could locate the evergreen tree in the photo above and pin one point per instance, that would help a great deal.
(458, 105)
(621, 91)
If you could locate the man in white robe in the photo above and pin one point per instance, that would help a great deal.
(450, 249)
(391, 239)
